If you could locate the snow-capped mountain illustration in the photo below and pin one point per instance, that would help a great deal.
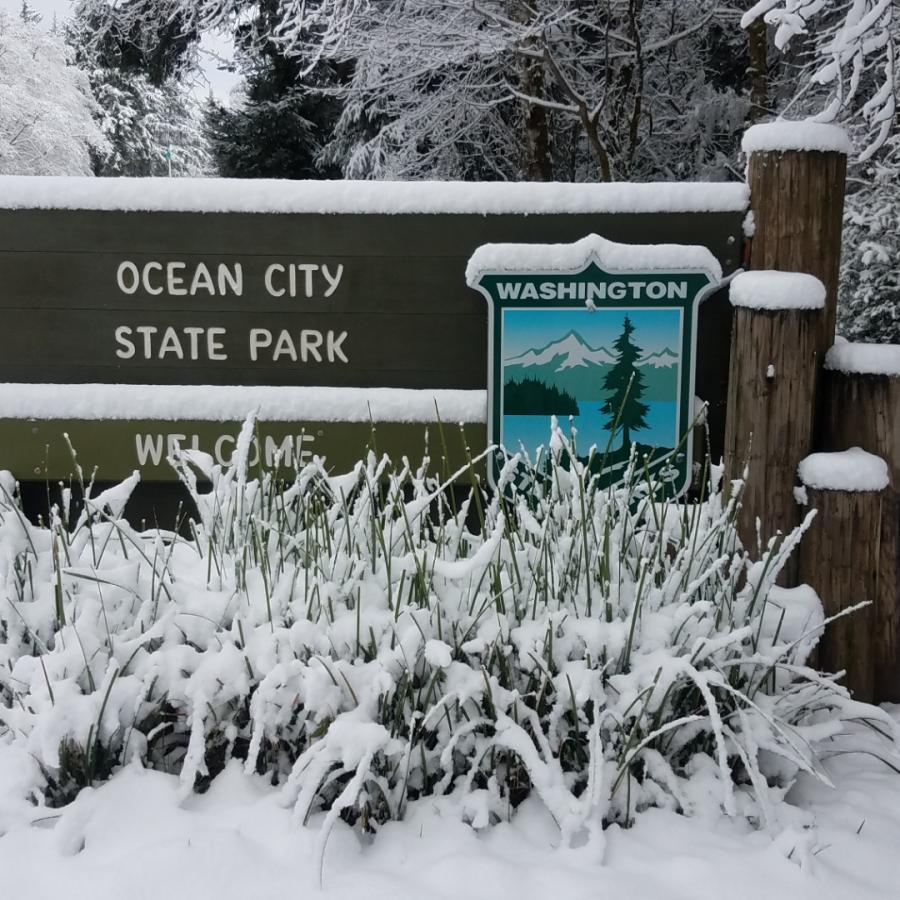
(574, 349)
(660, 359)
(572, 365)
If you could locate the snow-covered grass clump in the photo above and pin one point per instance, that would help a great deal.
(365, 642)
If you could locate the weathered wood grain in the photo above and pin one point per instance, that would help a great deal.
(797, 199)
(863, 411)
(849, 556)
(775, 361)
(798, 208)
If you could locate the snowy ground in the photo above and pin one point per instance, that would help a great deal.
(132, 839)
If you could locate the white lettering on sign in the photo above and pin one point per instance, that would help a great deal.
(148, 342)
(591, 290)
(290, 451)
(146, 281)
(191, 342)
(128, 277)
(302, 279)
(310, 345)
(180, 279)
(149, 448)
(176, 278)
(219, 448)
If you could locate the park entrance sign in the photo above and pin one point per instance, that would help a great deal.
(603, 336)
(145, 314)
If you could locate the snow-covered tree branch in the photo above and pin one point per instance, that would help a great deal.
(46, 124)
(851, 72)
(604, 75)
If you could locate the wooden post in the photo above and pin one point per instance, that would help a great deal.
(887, 615)
(842, 558)
(862, 401)
(797, 198)
(862, 407)
(775, 363)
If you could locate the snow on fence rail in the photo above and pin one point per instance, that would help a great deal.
(222, 195)
(216, 403)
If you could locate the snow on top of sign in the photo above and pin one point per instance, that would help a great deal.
(805, 135)
(234, 403)
(364, 197)
(864, 359)
(848, 470)
(777, 290)
(613, 257)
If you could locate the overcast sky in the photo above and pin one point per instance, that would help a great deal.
(211, 47)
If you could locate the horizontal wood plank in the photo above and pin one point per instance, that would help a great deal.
(39, 450)
(449, 235)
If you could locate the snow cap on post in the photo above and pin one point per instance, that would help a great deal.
(781, 136)
(848, 470)
(864, 359)
(777, 290)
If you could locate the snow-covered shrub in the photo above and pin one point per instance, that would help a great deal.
(365, 642)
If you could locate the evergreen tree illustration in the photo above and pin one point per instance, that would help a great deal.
(626, 382)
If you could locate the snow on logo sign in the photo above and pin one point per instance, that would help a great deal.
(598, 334)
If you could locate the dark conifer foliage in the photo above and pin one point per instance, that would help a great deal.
(626, 382)
(286, 116)
(139, 72)
(29, 15)
(112, 37)
(531, 397)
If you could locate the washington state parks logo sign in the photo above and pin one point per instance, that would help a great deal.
(603, 337)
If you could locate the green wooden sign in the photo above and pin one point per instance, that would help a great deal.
(601, 336)
(343, 300)
(367, 297)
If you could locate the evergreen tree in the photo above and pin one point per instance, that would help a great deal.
(138, 74)
(279, 123)
(869, 307)
(28, 15)
(150, 130)
(272, 129)
(152, 39)
(626, 382)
